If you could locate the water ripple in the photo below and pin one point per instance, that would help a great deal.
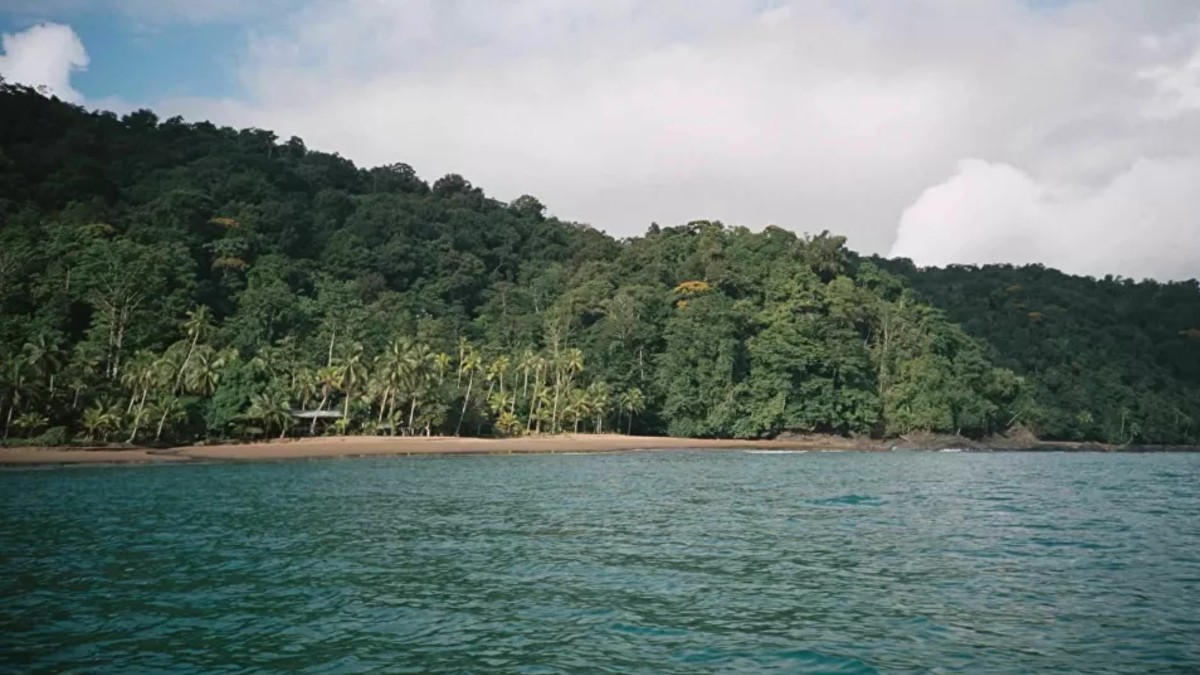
(653, 563)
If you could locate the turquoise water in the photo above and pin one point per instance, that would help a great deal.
(631, 563)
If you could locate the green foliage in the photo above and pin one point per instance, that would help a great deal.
(166, 282)
(1101, 359)
(52, 437)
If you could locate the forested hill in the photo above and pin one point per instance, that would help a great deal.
(1111, 359)
(164, 281)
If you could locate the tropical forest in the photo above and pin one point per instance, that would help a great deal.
(166, 282)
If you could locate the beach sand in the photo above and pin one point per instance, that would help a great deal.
(83, 456)
(355, 446)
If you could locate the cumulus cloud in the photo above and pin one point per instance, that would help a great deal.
(1065, 133)
(44, 55)
(1142, 223)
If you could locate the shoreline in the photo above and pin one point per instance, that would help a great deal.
(382, 446)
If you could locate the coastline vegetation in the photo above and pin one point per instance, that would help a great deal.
(163, 282)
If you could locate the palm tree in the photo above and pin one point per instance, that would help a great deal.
(204, 374)
(272, 410)
(327, 377)
(524, 366)
(104, 417)
(538, 365)
(499, 402)
(494, 375)
(43, 354)
(303, 385)
(468, 366)
(15, 390)
(464, 348)
(441, 362)
(390, 371)
(29, 423)
(93, 421)
(598, 396)
(542, 405)
(140, 377)
(566, 368)
(351, 374)
(501, 367)
(508, 424)
(577, 407)
(416, 379)
(166, 409)
(196, 326)
(632, 402)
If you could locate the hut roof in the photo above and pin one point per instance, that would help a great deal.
(316, 414)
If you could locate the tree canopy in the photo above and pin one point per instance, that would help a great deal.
(165, 281)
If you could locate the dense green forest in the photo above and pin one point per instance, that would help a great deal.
(1110, 359)
(164, 282)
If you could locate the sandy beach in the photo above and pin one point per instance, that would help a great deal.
(367, 446)
(11, 456)
(355, 446)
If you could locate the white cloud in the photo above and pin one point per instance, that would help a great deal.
(1071, 134)
(1143, 223)
(44, 55)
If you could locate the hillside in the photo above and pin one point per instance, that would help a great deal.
(1111, 359)
(166, 281)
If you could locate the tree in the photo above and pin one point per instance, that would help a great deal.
(200, 278)
(196, 327)
(468, 366)
(351, 373)
(15, 391)
(30, 423)
(271, 409)
(598, 396)
(43, 354)
(103, 418)
(632, 402)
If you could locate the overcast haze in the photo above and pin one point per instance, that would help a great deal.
(946, 131)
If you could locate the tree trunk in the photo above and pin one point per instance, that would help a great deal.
(112, 339)
(412, 412)
(120, 344)
(466, 399)
(392, 413)
(137, 419)
(186, 358)
(382, 404)
(554, 410)
(524, 389)
(161, 422)
(535, 407)
(486, 399)
(312, 428)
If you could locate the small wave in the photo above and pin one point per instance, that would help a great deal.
(848, 500)
(775, 452)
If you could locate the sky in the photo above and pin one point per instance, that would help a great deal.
(1061, 132)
